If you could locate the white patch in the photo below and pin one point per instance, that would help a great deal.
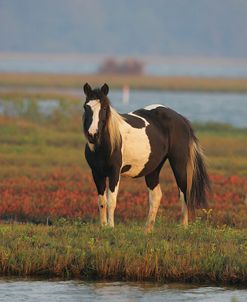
(184, 208)
(111, 203)
(136, 148)
(112, 196)
(140, 117)
(102, 209)
(155, 197)
(153, 106)
(95, 106)
(154, 202)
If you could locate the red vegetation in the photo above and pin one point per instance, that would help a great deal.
(74, 196)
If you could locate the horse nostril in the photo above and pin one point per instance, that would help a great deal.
(92, 137)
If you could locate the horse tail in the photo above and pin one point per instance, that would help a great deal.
(197, 178)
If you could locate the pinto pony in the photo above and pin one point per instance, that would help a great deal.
(137, 144)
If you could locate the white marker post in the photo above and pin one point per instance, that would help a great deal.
(126, 94)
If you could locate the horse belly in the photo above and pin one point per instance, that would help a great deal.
(136, 151)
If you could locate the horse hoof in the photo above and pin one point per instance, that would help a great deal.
(148, 229)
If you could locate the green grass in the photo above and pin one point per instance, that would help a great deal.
(199, 253)
(47, 143)
(220, 129)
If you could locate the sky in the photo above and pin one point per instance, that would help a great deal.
(204, 28)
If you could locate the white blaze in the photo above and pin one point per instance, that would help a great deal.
(95, 106)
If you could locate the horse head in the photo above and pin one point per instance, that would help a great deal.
(96, 112)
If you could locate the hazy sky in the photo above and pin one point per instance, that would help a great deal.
(158, 27)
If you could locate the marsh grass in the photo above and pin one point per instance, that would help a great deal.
(118, 81)
(43, 156)
(57, 139)
(199, 253)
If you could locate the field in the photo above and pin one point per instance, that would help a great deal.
(46, 184)
(23, 80)
(171, 253)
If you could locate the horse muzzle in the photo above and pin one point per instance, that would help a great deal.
(93, 138)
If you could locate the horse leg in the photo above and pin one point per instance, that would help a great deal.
(112, 197)
(100, 182)
(155, 194)
(179, 168)
(184, 209)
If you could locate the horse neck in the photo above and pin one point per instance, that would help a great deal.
(110, 136)
(114, 125)
(104, 147)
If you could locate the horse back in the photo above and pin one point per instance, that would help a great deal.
(168, 133)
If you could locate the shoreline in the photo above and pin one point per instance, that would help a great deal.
(173, 283)
(89, 252)
(144, 82)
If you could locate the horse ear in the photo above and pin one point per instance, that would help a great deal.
(87, 89)
(105, 89)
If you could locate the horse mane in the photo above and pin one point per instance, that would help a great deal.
(114, 122)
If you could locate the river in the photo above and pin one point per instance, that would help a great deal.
(12, 290)
(230, 108)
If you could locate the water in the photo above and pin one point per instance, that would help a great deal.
(201, 107)
(43, 64)
(228, 108)
(25, 290)
(198, 69)
(164, 67)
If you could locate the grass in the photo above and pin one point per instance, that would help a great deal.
(118, 81)
(42, 139)
(44, 178)
(171, 253)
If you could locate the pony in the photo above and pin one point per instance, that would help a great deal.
(137, 144)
